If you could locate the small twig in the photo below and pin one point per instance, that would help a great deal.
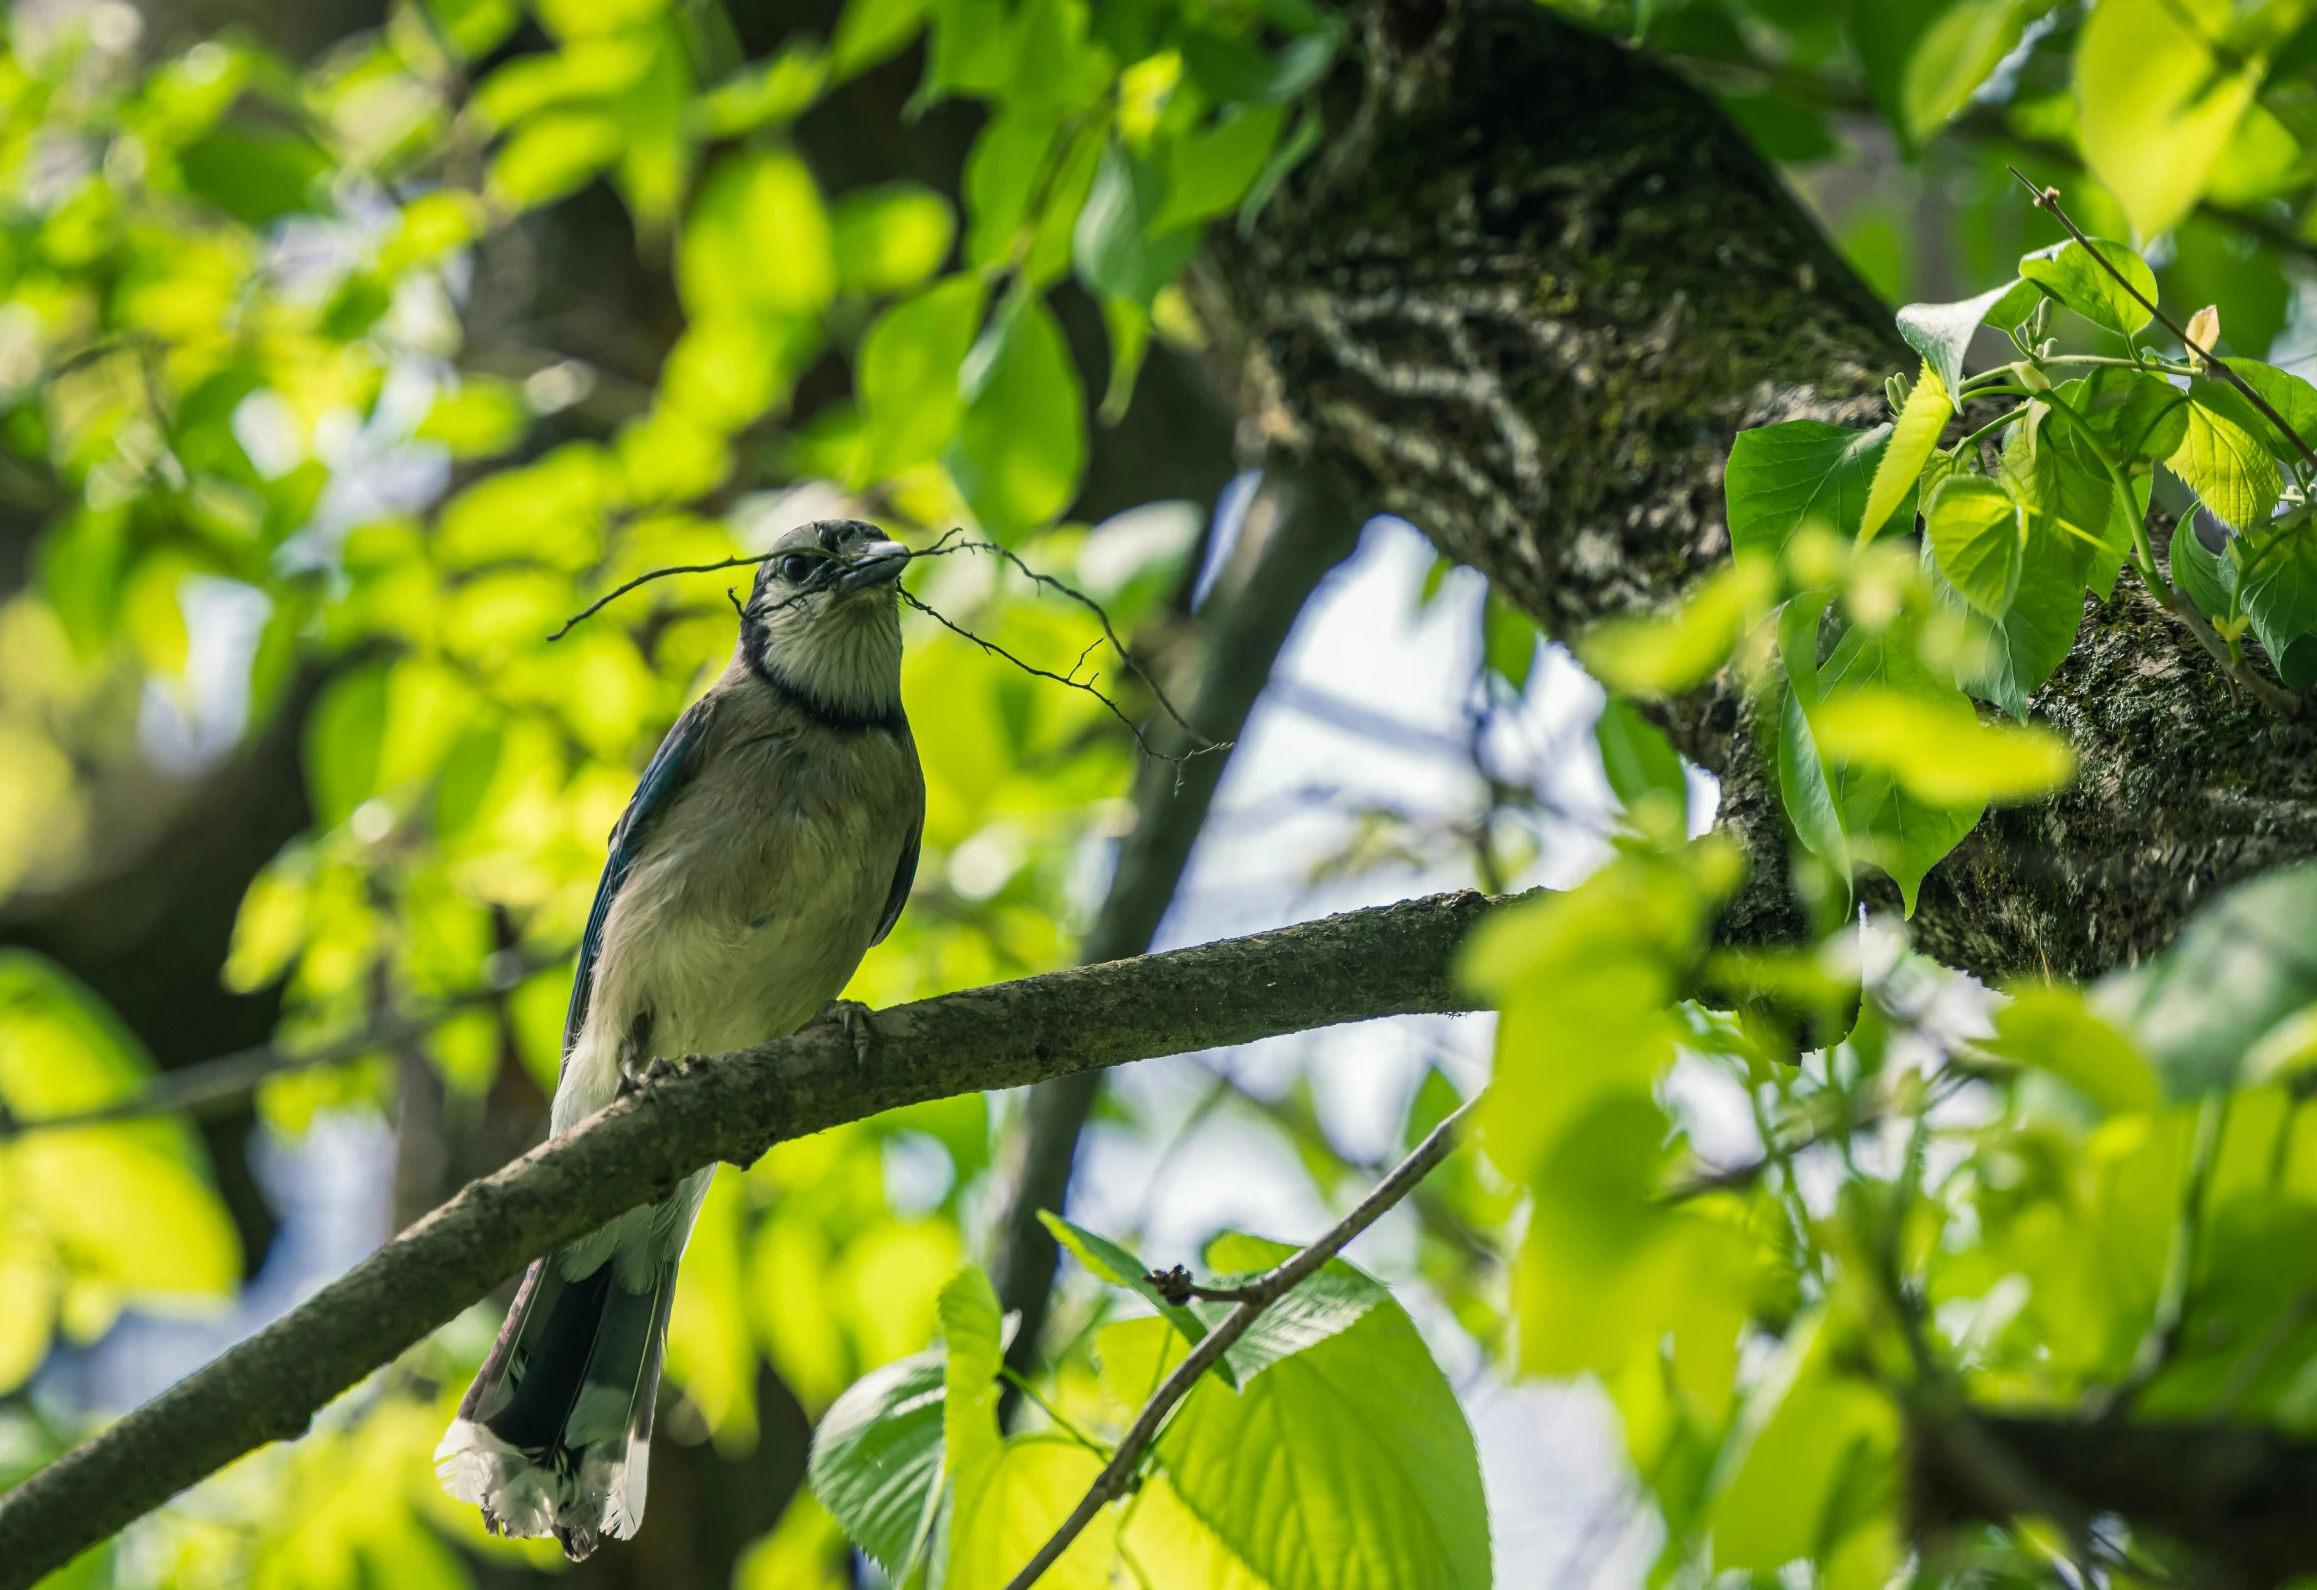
(1035, 671)
(613, 595)
(945, 546)
(1118, 1475)
(1177, 1287)
(2048, 199)
(233, 1076)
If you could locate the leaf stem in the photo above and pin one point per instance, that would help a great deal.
(1262, 1292)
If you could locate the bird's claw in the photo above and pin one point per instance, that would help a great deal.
(661, 1069)
(853, 1017)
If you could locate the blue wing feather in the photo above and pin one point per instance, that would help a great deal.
(669, 766)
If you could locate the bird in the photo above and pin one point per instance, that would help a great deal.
(772, 839)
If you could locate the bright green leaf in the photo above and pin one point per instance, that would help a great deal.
(2052, 1029)
(1114, 246)
(1107, 1261)
(889, 238)
(1942, 333)
(1953, 57)
(1655, 657)
(757, 241)
(2224, 464)
(1782, 477)
(2069, 272)
(972, 1328)
(1021, 446)
(877, 1456)
(1913, 436)
(2157, 103)
(1364, 1433)
(1640, 761)
(907, 375)
(1976, 536)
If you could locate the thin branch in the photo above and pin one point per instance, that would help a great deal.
(986, 644)
(229, 1078)
(1389, 961)
(2048, 199)
(1254, 1298)
(646, 578)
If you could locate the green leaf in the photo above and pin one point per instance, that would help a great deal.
(1107, 1261)
(480, 418)
(1782, 477)
(2228, 467)
(1805, 793)
(1886, 824)
(877, 1457)
(1113, 245)
(774, 93)
(1510, 640)
(1664, 656)
(1937, 749)
(973, 1330)
(907, 375)
(254, 174)
(1976, 536)
(889, 238)
(1302, 139)
(2239, 968)
(1941, 333)
(1022, 444)
(1913, 437)
(2277, 570)
(1233, 72)
(1641, 763)
(1001, 178)
(1365, 1435)
(1012, 1504)
(2051, 1028)
(2209, 576)
(871, 31)
(2036, 632)
(342, 744)
(1953, 57)
(1814, 1460)
(1209, 172)
(2135, 415)
(553, 154)
(2069, 272)
(2157, 103)
(757, 241)
(2294, 399)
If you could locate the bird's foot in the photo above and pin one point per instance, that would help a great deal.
(854, 1018)
(641, 1080)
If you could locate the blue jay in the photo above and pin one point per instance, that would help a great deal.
(771, 841)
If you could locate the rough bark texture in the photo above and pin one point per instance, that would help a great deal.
(1388, 961)
(1525, 297)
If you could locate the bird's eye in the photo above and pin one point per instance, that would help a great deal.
(794, 568)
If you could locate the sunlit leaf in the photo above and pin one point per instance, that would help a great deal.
(877, 1457)
(1954, 56)
(908, 375)
(1364, 1432)
(887, 239)
(2053, 1029)
(1021, 445)
(2071, 274)
(2158, 102)
(1013, 1502)
(1654, 657)
(1782, 477)
(2224, 463)
(1975, 533)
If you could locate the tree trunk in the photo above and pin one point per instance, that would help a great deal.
(1525, 297)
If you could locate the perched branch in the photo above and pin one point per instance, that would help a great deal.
(1388, 961)
(1253, 1298)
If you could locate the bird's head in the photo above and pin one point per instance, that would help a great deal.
(823, 622)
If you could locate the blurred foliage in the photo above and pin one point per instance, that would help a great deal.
(250, 396)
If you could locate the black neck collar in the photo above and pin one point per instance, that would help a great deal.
(819, 711)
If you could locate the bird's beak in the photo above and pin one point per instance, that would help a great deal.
(877, 563)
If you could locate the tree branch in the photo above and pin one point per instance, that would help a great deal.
(1393, 960)
(1293, 535)
(1252, 1299)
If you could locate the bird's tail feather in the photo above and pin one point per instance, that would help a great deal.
(554, 1436)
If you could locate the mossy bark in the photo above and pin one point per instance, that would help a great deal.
(1526, 295)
